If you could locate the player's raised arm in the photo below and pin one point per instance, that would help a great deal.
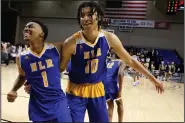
(68, 49)
(116, 44)
(12, 95)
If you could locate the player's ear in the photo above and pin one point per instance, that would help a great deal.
(42, 34)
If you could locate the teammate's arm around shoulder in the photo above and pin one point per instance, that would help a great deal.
(12, 95)
(116, 44)
(68, 50)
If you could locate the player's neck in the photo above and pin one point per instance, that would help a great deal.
(90, 35)
(37, 47)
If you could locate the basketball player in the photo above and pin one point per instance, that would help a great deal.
(87, 50)
(39, 65)
(115, 74)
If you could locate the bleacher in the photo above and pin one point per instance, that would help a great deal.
(169, 56)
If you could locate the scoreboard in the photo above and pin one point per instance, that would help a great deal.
(181, 5)
(174, 5)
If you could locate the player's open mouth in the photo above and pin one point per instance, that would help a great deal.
(87, 24)
(27, 33)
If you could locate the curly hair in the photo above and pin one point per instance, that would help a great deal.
(43, 26)
(94, 8)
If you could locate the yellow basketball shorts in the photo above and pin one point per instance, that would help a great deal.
(87, 96)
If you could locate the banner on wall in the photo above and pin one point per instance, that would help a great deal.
(140, 23)
(161, 25)
(134, 23)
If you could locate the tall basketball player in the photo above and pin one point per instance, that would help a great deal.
(87, 50)
(39, 65)
(113, 85)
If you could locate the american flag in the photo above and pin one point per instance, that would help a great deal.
(128, 10)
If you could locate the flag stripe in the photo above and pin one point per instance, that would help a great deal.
(134, 5)
(125, 12)
(124, 16)
(127, 18)
(128, 10)
(135, 2)
(128, 14)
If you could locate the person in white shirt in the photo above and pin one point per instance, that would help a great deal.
(135, 73)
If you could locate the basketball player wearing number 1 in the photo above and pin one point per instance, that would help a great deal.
(40, 67)
(88, 50)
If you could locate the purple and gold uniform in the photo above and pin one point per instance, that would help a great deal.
(47, 100)
(111, 82)
(88, 69)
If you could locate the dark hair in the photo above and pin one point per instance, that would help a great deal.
(43, 26)
(94, 8)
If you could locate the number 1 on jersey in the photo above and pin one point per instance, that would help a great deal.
(45, 79)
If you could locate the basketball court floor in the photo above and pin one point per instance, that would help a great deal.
(141, 103)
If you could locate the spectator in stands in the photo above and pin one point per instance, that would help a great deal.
(4, 54)
(152, 66)
(142, 56)
(162, 70)
(14, 52)
(145, 52)
(138, 53)
(159, 60)
(9, 51)
(168, 71)
(181, 72)
(173, 68)
(131, 49)
(135, 73)
(142, 60)
(147, 63)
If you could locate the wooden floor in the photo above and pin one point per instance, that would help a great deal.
(141, 103)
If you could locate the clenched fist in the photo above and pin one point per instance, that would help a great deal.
(11, 96)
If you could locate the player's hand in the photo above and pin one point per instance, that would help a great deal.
(11, 96)
(158, 86)
(27, 88)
